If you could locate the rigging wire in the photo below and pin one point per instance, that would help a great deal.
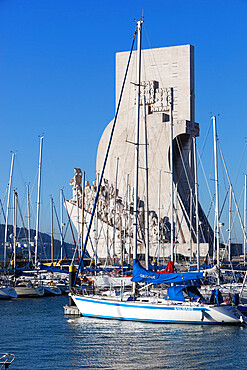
(2, 210)
(73, 236)
(206, 137)
(24, 229)
(242, 156)
(106, 157)
(60, 231)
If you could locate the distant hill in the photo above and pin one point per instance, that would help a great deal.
(44, 243)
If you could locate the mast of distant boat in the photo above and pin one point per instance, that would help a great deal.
(61, 223)
(230, 226)
(171, 169)
(216, 197)
(245, 196)
(197, 204)
(7, 212)
(28, 223)
(52, 239)
(38, 202)
(14, 228)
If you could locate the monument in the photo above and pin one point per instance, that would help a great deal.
(167, 76)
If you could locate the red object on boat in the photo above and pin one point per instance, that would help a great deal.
(169, 267)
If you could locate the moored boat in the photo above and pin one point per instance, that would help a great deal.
(29, 290)
(51, 290)
(7, 292)
(156, 310)
(180, 304)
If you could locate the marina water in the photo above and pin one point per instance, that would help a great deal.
(42, 337)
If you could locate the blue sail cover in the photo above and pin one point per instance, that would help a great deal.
(179, 292)
(140, 275)
(52, 268)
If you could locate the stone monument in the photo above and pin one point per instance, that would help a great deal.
(167, 74)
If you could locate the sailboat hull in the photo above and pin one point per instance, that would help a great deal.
(52, 290)
(29, 291)
(163, 312)
(7, 293)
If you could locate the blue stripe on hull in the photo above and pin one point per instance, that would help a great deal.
(130, 305)
(154, 321)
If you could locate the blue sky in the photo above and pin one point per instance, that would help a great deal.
(57, 79)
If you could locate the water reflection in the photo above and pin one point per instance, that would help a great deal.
(119, 344)
(41, 337)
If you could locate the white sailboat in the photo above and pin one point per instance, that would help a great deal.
(180, 304)
(157, 310)
(187, 308)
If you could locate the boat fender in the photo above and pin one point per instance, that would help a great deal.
(202, 314)
(51, 283)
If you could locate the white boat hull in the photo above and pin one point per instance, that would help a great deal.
(7, 293)
(52, 290)
(164, 312)
(27, 291)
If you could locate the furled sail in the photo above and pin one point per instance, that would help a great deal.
(140, 275)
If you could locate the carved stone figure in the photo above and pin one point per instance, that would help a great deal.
(76, 183)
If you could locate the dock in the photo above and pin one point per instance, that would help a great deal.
(71, 310)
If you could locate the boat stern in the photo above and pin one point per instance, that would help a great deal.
(227, 314)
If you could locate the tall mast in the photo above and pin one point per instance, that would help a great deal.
(197, 211)
(52, 250)
(38, 202)
(15, 223)
(159, 185)
(96, 219)
(82, 210)
(129, 222)
(125, 218)
(78, 221)
(216, 194)
(138, 83)
(28, 224)
(245, 190)
(230, 221)
(7, 212)
(146, 186)
(115, 211)
(138, 59)
(61, 222)
(171, 169)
